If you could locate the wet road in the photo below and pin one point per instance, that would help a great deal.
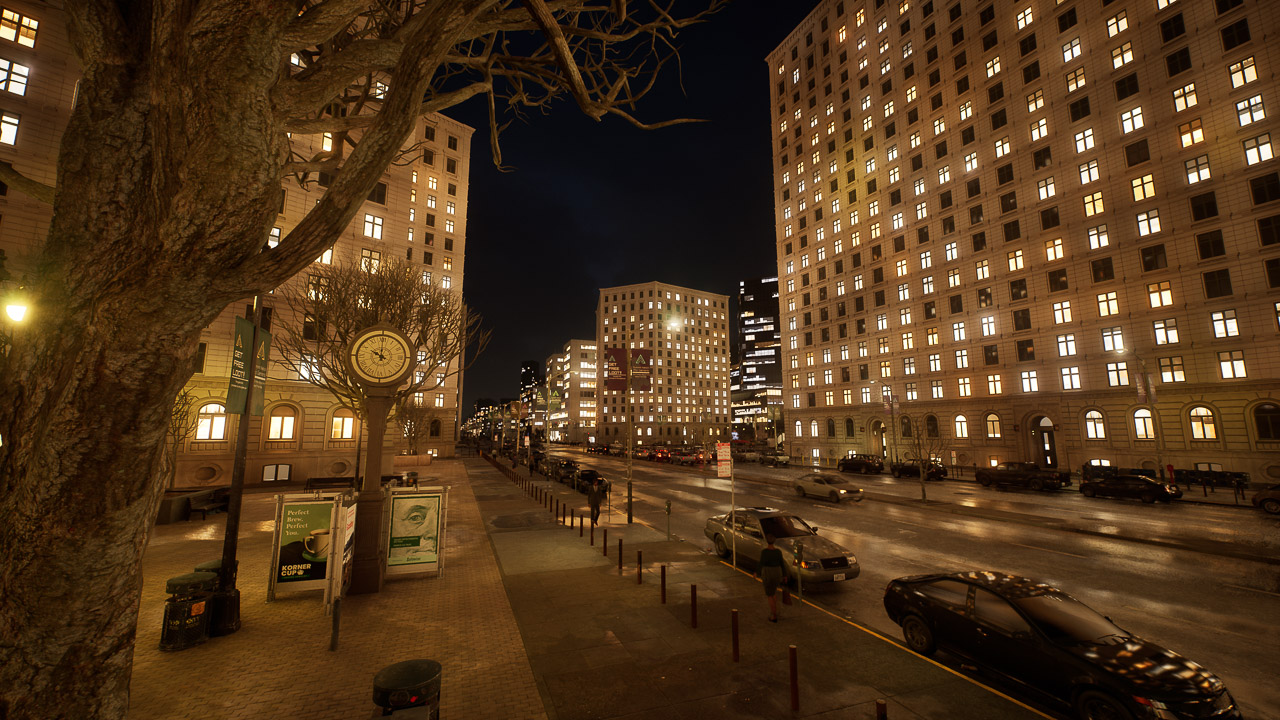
(1223, 612)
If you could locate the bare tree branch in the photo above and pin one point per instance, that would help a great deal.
(25, 185)
(319, 23)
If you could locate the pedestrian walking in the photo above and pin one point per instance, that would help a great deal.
(772, 574)
(595, 496)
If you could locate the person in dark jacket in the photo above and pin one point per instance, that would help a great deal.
(772, 574)
(595, 496)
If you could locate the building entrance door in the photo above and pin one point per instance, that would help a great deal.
(1048, 450)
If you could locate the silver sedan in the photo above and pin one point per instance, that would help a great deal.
(828, 487)
(808, 557)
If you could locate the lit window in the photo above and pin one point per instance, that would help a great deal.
(1117, 24)
(1197, 169)
(993, 66)
(1066, 345)
(957, 331)
(1035, 101)
(1191, 133)
(1045, 188)
(1093, 204)
(1166, 331)
(1108, 304)
(17, 28)
(953, 278)
(944, 174)
(1070, 378)
(1062, 312)
(939, 126)
(988, 326)
(1203, 426)
(966, 110)
(13, 77)
(1184, 97)
(1243, 72)
(8, 127)
(1039, 129)
(965, 387)
(1084, 140)
(373, 226)
(951, 250)
(970, 161)
(1112, 339)
(962, 427)
(1075, 79)
(1224, 323)
(1030, 383)
(1053, 249)
(1250, 110)
(1098, 237)
(1143, 429)
(1258, 149)
(1025, 18)
(1015, 260)
(982, 270)
(1088, 172)
(1171, 369)
(1131, 120)
(282, 421)
(1144, 187)
(1122, 55)
(993, 425)
(1071, 50)
(935, 389)
(1148, 222)
(370, 259)
(1160, 294)
(962, 359)
(1095, 428)
(993, 385)
(211, 420)
(1002, 147)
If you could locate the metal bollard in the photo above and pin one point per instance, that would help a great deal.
(734, 625)
(557, 509)
(795, 679)
(619, 554)
(882, 710)
(337, 623)
(639, 566)
(593, 534)
(605, 543)
(693, 606)
(664, 585)
(580, 526)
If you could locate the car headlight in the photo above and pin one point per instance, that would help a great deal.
(842, 492)
(852, 560)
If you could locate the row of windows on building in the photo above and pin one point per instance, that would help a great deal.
(281, 424)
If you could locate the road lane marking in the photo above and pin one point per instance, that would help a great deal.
(1241, 587)
(1060, 552)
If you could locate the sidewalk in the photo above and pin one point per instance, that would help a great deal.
(529, 621)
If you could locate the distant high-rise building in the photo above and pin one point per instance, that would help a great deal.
(757, 360)
(1031, 231)
(688, 332)
(531, 389)
(572, 373)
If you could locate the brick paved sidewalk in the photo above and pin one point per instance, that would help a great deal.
(279, 664)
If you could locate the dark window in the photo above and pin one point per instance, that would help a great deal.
(1269, 230)
(1217, 283)
(1136, 153)
(1067, 20)
(1030, 72)
(940, 150)
(1004, 173)
(999, 119)
(962, 85)
(1273, 272)
(813, 399)
(1126, 86)
(1265, 188)
(960, 60)
(917, 161)
(1266, 417)
(987, 14)
(1079, 109)
(979, 241)
(1153, 258)
(1026, 350)
(379, 194)
(1008, 202)
(1236, 33)
(198, 362)
(974, 187)
(995, 92)
(1049, 218)
(1209, 244)
(945, 199)
(990, 354)
(989, 40)
(1022, 319)
(1226, 5)
(1042, 158)
(1204, 206)
(1027, 44)
(1057, 280)
(930, 310)
(1102, 270)
(954, 14)
(957, 304)
(984, 297)
(1178, 62)
(957, 36)
(975, 214)
(967, 135)
(1017, 289)
(1172, 28)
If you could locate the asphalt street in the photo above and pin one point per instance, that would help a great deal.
(1202, 580)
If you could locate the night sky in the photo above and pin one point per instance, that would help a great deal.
(596, 204)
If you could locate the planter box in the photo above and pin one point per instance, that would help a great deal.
(408, 462)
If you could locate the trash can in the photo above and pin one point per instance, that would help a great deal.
(224, 605)
(409, 684)
(186, 612)
(211, 566)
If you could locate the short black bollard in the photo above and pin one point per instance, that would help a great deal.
(693, 606)
(337, 622)
(795, 679)
(557, 510)
(639, 566)
(664, 585)
(580, 523)
(734, 625)
(605, 543)
(619, 554)
(882, 710)
(593, 535)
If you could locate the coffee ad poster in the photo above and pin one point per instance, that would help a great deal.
(305, 537)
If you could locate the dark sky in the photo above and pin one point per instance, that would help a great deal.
(596, 204)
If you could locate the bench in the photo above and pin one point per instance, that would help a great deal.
(204, 505)
(324, 483)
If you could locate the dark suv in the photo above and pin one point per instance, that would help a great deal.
(1022, 474)
(861, 463)
(1131, 486)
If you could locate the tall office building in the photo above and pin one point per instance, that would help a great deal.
(417, 211)
(1031, 230)
(688, 332)
(533, 420)
(572, 373)
(757, 361)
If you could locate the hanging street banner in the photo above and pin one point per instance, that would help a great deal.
(615, 369)
(238, 386)
(641, 369)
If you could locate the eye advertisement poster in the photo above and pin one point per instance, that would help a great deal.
(417, 530)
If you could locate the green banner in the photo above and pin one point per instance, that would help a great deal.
(260, 375)
(238, 386)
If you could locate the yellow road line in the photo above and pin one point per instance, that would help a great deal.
(933, 662)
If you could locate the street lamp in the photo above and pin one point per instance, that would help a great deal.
(16, 304)
(1147, 397)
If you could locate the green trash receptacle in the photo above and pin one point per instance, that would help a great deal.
(186, 612)
(409, 684)
(224, 604)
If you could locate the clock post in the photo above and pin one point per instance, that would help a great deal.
(380, 359)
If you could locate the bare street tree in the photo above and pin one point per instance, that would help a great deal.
(169, 179)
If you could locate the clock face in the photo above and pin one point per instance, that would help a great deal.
(380, 356)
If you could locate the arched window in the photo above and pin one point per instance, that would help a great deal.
(344, 425)
(931, 426)
(813, 428)
(1203, 426)
(799, 429)
(848, 427)
(435, 428)
(962, 426)
(906, 427)
(1266, 418)
(211, 422)
(282, 421)
(1143, 429)
(831, 427)
(1095, 428)
(993, 425)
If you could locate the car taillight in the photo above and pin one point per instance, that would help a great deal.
(1142, 701)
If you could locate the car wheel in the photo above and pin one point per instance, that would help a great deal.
(800, 491)
(1037, 484)
(1096, 705)
(1272, 506)
(721, 549)
(1088, 492)
(1148, 498)
(984, 481)
(833, 497)
(918, 635)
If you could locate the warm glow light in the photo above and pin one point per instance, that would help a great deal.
(16, 313)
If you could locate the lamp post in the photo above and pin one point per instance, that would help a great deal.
(1147, 397)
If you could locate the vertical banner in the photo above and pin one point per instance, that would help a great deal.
(615, 369)
(262, 353)
(417, 530)
(641, 369)
(238, 385)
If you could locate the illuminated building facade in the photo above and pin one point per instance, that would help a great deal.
(572, 373)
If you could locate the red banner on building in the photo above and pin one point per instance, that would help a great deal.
(641, 369)
(615, 369)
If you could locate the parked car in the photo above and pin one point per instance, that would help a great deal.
(1022, 474)
(692, 456)
(933, 469)
(1268, 499)
(775, 459)
(745, 456)
(1045, 640)
(821, 561)
(861, 463)
(1131, 486)
(563, 470)
(585, 477)
(827, 486)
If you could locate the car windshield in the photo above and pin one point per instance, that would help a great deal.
(1067, 620)
(832, 480)
(589, 474)
(781, 526)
